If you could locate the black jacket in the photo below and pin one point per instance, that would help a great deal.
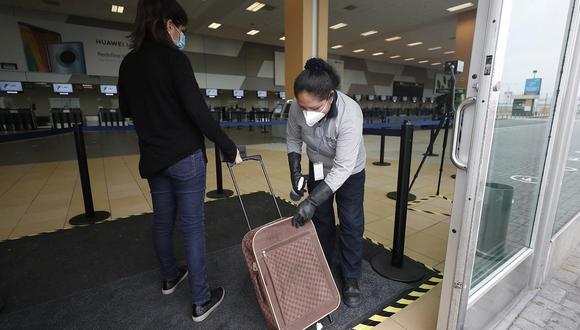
(157, 88)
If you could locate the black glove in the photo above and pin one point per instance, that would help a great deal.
(295, 175)
(306, 209)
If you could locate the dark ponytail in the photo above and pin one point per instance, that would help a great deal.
(151, 19)
(318, 78)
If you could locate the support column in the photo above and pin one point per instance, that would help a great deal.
(306, 32)
(463, 44)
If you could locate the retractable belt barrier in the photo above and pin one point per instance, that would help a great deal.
(388, 129)
(387, 119)
(33, 134)
(112, 120)
(250, 124)
(90, 216)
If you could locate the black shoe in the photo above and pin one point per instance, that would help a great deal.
(201, 312)
(351, 295)
(170, 286)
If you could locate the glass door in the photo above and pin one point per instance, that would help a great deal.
(501, 147)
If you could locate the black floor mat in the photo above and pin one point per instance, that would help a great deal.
(105, 276)
(48, 266)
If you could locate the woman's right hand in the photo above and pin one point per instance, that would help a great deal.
(239, 159)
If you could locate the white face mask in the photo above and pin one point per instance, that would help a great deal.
(313, 117)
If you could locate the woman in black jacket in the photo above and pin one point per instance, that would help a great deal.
(157, 88)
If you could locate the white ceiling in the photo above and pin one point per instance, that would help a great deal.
(414, 20)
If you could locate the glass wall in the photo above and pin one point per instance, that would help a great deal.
(530, 78)
(569, 202)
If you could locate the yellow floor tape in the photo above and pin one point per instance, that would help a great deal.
(411, 205)
(403, 301)
(422, 200)
(429, 212)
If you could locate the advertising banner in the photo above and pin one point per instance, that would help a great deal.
(50, 46)
(533, 86)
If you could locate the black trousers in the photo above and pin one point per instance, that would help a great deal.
(349, 204)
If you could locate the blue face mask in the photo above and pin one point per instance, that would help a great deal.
(181, 42)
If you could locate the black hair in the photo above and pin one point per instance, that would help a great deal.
(318, 78)
(151, 19)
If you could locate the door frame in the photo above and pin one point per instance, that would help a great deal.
(562, 130)
(491, 30)
(474, 119)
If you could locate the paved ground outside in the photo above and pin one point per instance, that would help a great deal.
(518, 156)
(557, 304)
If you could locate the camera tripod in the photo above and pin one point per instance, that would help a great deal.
(444, 123)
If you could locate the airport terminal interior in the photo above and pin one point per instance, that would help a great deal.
(509, 215)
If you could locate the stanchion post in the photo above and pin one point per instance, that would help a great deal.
(381, 161)
(395, 265)
(84, 171)
(220, 192)
(90, 216)
(402, 194)
(395, 194)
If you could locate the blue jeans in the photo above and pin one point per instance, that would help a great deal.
(349, 203)
(180, 189)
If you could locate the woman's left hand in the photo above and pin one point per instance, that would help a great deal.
(304, 213)
(306, 209)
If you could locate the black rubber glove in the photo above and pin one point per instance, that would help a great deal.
(306, 209)
(295, 176)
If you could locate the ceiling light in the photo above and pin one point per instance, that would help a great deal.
(358, 50)
(255, 6)
(423, 61)
(459, 7)
(368, 33)
(253, 32)
(393, 38)
(214, 25)
(336, 46)
(409, 59)
(377, 54)
(282, 38)
(395, 56)
(415, 44)
(437, 63)
(117, 9)
(338, 26)
(435, 48)
(449, 52)
(87, 86)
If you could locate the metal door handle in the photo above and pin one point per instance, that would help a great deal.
(454, 158)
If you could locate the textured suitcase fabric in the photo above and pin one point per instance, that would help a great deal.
(293, 283)
(255, 278)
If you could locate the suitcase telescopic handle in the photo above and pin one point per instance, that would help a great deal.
(259, 159)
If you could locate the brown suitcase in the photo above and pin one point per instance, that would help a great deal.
(293, 283)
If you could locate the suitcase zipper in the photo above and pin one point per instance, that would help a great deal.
(255, 263)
